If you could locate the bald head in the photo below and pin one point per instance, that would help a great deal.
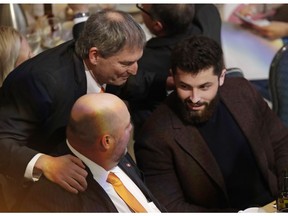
(94, 115)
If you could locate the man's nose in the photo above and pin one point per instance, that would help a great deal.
(133, 69)
(195, 96)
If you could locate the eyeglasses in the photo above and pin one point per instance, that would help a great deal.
(140, 7)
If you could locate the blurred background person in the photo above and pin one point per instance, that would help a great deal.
(251, 36)
(275, 30)
(276, 14)
(81, 12)
(14, 49)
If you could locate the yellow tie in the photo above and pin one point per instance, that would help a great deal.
(125, 195)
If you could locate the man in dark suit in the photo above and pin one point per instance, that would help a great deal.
(213, 145)
(98, 133)
(36, 98)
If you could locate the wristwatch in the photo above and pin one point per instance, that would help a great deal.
(81, 14)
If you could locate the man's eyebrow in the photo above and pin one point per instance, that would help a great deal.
(127, 62)
(207, 83)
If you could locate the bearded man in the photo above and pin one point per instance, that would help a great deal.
(214, 146)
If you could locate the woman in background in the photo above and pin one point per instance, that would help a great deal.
(14, 49)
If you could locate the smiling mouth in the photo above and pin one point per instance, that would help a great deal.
(195, 107)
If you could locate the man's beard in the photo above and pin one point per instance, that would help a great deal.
(196, 117)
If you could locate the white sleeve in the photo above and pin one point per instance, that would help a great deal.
(30, 173)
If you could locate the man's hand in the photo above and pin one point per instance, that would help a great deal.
(274, 30)
(67, 171)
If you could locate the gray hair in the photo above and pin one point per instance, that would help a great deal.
(109, 31)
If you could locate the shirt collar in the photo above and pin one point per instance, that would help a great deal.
(98, 172)
(92, 85)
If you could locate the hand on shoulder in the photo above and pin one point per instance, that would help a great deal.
(67, 171)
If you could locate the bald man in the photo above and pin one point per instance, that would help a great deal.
(98, 133)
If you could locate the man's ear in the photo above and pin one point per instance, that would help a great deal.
(222, 77)
(157, 25)
(93, 55)
(107, 141)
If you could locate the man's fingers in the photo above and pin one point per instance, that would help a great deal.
(75, 182)
(77, 161)
(67, 187)
(80, 171)
(80, 179)
(67, 171)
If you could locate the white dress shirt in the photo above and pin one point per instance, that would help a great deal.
(92, 85)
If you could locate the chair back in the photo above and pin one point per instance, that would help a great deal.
(234, 72)
(278, 83)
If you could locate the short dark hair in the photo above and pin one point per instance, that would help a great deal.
(175, 18)
(110, 30)
(197, 53)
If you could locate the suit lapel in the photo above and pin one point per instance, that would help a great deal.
(80, 76)
(189, 138)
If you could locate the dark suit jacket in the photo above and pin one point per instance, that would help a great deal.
(45, 196)
(36, 99)
(178, 165)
